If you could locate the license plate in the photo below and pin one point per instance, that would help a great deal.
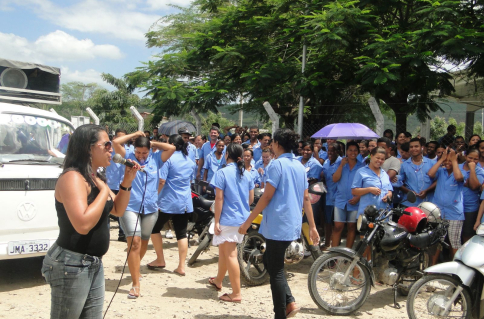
(28, 247)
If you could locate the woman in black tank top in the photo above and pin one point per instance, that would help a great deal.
(83, 201)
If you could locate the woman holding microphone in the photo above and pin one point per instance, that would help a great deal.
(142, 211)
(83, 201)
(234, 192)
(286, 192)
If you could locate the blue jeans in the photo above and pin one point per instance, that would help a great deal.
(77, 284)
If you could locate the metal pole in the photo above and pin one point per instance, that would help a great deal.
(241, 111)
(141, 121)
(301, 99)
(93, 115)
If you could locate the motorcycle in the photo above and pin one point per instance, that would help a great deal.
(452, 289)
(251, 251)
(398, 253)
(200, 224)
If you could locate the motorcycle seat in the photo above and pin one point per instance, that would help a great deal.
(205, 203)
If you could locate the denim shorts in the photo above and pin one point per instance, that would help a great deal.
(77, 284)
(345, 216)
(142, 227)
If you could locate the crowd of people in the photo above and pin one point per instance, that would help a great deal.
(357, 173)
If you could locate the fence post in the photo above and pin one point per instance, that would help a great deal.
(425, 129)
(139, 118)
(469, 130)
(375, 109)
(198, 121)
(93, 115)
(272, 115)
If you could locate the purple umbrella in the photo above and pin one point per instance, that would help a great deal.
(345, 131)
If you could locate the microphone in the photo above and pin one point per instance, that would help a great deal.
(120, 160)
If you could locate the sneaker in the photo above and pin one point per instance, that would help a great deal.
(307, 253)
(169, 234)
(122, 238)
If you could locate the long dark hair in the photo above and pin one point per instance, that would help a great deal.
(179, 143)
(78, 155)
(235, 153)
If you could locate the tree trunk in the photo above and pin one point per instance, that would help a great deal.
(400, 121)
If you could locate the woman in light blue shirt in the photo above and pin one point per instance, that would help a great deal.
(175, 202)
(448, 195)
(345, 204)
(309, 162)
(473, 179)
(329, 167)
(286, 192)
(234, 194)
(142, 210)
(372, 184)
(248, 160)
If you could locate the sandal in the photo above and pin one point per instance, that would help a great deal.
(227, 298)
(133, 296)
(211, 281)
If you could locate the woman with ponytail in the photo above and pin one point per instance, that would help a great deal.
(174, 202)
(234, 194)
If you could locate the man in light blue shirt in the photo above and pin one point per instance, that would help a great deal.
(285, 195)
(206, 149)
(254, 141)
(264, 142)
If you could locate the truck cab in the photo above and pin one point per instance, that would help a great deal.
(32, 147)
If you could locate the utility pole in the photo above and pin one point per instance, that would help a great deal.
(301, 99)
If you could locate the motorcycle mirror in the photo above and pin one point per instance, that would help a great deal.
(317, 188)
(411, 197)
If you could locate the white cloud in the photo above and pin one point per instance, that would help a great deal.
(55, 46)
(87, 76)
(116, 18)
(164, 4)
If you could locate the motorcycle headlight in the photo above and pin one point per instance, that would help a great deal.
(362, 222)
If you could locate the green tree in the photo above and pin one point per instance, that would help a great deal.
(393, 55)
(438, 128)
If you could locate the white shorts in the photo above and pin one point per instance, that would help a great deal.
(229, 234)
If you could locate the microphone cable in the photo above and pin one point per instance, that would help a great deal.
(141, 207)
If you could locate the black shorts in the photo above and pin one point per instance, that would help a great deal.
(180, 223)
(469, 222)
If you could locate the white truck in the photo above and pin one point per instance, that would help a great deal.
(32, 142)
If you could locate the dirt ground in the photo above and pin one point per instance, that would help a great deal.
(24, 293)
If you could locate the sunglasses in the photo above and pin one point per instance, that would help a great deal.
(107, 145)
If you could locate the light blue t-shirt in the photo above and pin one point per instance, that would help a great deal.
(449, 195)
(364, 178)
(471, 197)
(235, 209)
(257, 153)
(329, 170)
(282, 218)
(253, 147)
(361, 159)
(415, 178)
(212, 164)
(315, 168)
(151, 167)
(175, 197)
(260, 164)
(343, 187)
(114, 174)
(255, 176)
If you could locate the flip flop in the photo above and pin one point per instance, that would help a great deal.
(229, 299)
(210, 281)
(133, 296)
(151, 267)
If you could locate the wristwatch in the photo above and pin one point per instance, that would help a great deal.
(125, 188)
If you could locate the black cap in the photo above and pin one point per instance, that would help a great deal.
(184, 130)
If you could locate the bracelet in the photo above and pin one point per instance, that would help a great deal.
(125, 188)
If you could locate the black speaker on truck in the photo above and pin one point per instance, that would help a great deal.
(29, 82)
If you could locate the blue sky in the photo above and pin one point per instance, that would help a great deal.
(82, 37)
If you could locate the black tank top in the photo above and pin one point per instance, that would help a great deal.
(96, 242)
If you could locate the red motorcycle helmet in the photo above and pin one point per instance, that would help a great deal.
(415, 221)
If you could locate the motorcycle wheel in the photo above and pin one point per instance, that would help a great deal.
(338, 298)
(435, 289)
(249, 256)
(204, 244)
